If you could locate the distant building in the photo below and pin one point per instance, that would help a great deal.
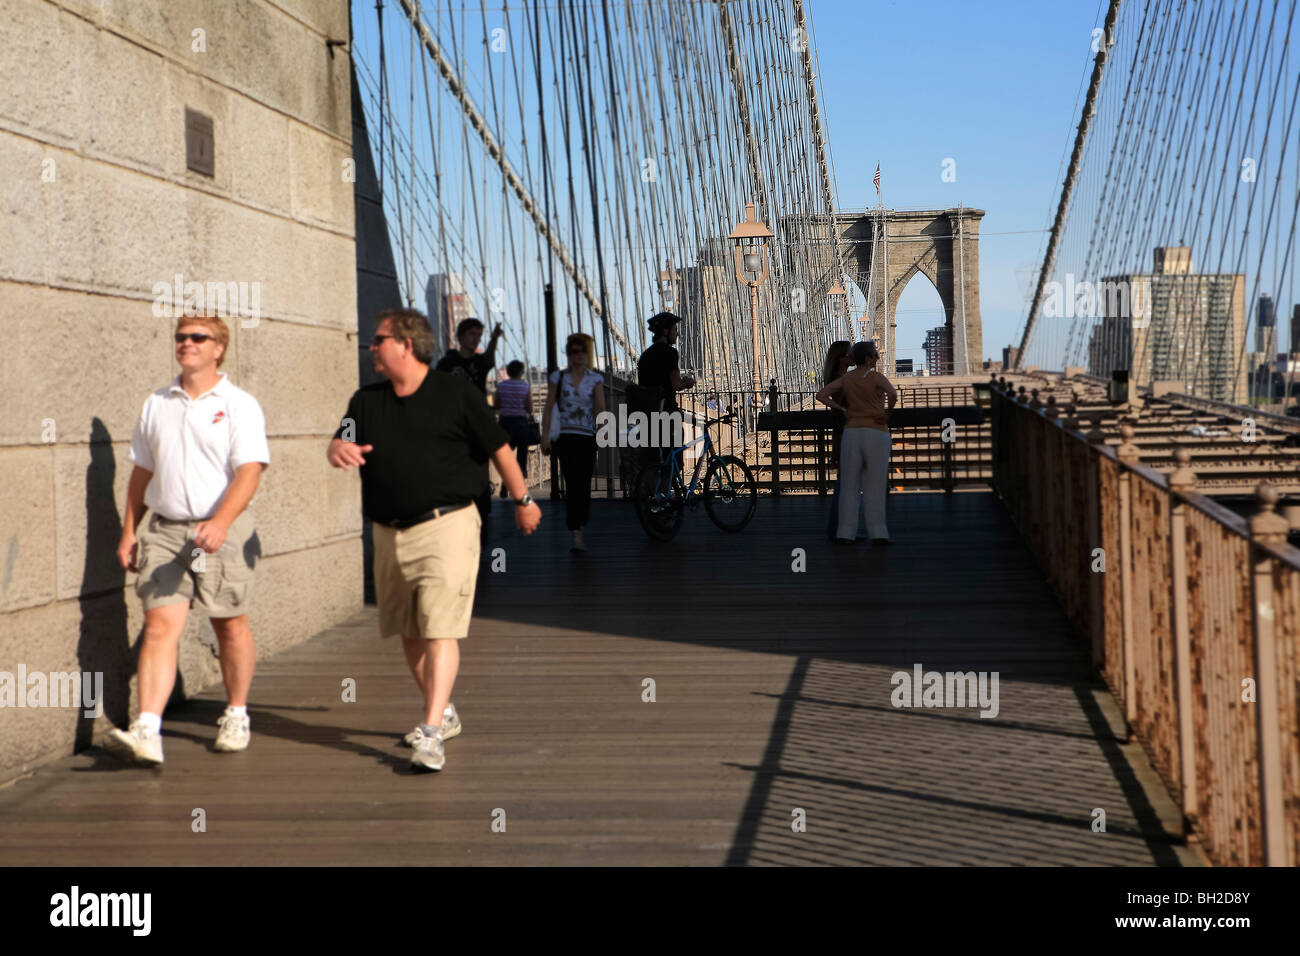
(446, 304)
(938, 351)
(1010, 354)
(992, 365)
(700, 297)
(1265, 326)
(1295, 330)
(1174, 325)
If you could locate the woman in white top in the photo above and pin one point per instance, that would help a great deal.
(575, 397)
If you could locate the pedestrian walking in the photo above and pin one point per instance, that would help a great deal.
(199, 450)
(862, 394)
(465, 361)
(514, 409)
(422, 440)
(575, 397)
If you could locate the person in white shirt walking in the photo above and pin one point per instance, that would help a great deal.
(199, 450)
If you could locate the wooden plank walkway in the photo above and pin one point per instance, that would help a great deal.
(772, 695)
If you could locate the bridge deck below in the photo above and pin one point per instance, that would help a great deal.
(772, 696)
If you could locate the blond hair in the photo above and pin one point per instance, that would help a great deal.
(587, 342)
(215, 325)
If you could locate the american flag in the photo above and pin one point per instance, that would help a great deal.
(876, 179)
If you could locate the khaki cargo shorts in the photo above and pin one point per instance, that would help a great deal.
(425, 576)
(174, 569)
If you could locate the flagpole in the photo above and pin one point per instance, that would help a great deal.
(887, 357)
(880, 238)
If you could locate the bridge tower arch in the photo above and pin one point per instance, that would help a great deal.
(882, 250)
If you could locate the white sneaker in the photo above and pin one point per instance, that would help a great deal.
(450, 727)
(140, 744)
(428, 753)
(578, 544)
(234, 733)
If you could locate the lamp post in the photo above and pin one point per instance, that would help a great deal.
(839, 303)
(752, 260)
(668, 286)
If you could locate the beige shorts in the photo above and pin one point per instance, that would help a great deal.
(173, 569)
(425, 576)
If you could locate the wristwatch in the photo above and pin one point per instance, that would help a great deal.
(525, 501)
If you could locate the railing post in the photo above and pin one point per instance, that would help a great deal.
(821, 462)
(1128, 456)
(776, 466)
(1096, 589)
(1182, 481)
(1268, 528)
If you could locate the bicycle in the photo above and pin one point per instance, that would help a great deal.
(729, 492)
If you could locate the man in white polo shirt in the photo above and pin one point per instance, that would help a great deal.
(199, 450)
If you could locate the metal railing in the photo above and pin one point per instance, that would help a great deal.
(1193, 614)
(799, 456)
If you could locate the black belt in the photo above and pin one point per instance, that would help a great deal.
(401, 524)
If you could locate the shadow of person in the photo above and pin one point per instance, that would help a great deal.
(103, 644)
(272, 720)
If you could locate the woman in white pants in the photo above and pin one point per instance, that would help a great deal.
(865, 397)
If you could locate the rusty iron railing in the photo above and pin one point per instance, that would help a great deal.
(1192, 612)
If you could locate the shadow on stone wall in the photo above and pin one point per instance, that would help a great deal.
(103, 643)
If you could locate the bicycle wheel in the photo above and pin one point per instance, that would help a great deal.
(730, 494)
(659, 501)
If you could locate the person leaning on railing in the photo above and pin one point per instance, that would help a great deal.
(864, 454)
(838, 361)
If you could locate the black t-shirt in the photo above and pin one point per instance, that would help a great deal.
(655, 370)
(475, 368)
(431, 448)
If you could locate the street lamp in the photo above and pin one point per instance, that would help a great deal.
(668, 286)
(839, 303)
(751, 269)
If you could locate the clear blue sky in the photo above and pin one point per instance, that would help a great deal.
(996, 86)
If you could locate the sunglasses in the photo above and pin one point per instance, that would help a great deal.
(198, 338)
(576, 351)
(378, 340)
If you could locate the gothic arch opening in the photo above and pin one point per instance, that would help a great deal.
(918, 313)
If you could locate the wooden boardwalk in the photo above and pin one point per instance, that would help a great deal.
(772, 695)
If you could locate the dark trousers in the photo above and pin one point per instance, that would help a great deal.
(577, 455)
(516, 427)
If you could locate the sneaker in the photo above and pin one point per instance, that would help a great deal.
(450, 727)
(877, 542)
(578, 544)
(428, 754)
(233, 734)
(139, 744)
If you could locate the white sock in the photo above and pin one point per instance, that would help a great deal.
(237, 711)
(151, 722)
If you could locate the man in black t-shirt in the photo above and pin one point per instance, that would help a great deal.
(658, 371)
(422, 441)
(659, 368)
(465, 361)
